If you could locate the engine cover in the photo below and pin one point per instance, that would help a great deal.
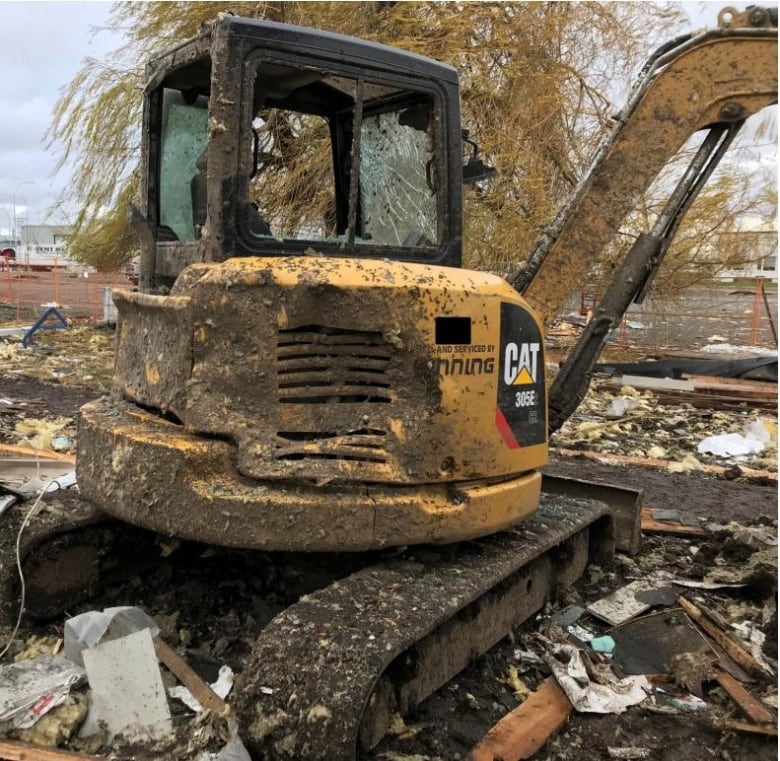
(333, 375)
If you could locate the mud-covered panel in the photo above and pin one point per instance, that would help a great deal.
(521, 401)
(334, 370)
(154, 350)
(311, 380)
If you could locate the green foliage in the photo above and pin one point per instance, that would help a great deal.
(539, 83)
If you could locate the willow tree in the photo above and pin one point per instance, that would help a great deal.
(539, 83)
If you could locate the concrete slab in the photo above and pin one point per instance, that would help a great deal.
(128, 695)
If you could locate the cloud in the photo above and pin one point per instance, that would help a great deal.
(44, 45)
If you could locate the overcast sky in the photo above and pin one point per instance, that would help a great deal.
(43, 46)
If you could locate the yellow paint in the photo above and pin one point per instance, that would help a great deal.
(152, 374)
(437, 450)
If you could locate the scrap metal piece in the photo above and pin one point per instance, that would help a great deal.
(648, 645)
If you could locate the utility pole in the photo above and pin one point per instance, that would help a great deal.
(24, 182)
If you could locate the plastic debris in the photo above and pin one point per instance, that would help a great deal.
(621, 405)
(31, 688)
(603, 644)
(221, 687)
(755, 438)
(688, 703)
(61, 443)
(94, 627)
(580, 633)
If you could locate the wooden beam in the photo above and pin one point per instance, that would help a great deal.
(523, 731)
(748, 389)
(751, 707)
(736, 651)
(12, 750)
(617, 459)
(182, 671)
(12, 450)
(744, 726)
(650, 525)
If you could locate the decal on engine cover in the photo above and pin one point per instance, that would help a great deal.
(521, 401)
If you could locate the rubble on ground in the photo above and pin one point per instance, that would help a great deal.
(211, 610)
(79, 356)
(634, 423)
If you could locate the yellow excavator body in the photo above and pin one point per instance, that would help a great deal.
(321, 404)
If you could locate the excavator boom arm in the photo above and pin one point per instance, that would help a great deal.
(716, 77)
(714, 81)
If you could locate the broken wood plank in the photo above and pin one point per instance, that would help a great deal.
(707, 397)
(735, 650)
(751, 707)
(13, 750)
(648, 382)
(704, 400)
(745, 726)
(524, 730)
(184, 673)
(12, 450)
(618, 459)
(764, 389)
(650, 525)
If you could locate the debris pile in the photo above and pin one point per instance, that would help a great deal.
(634, 423)
(78, 356)
(679, 638)
(109, 689)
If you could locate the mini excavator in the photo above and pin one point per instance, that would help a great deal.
(321, 375)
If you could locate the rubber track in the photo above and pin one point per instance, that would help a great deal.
(312, 670)
(47, 523)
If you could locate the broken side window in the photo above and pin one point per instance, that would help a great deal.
(182, 158)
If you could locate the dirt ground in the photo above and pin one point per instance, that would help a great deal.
(213, 605)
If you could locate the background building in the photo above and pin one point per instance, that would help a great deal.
(43, 247)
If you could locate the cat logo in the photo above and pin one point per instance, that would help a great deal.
(520, 393)
(521, 363)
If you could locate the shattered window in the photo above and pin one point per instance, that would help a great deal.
(339, 160)
(183, 146)
(397, 194)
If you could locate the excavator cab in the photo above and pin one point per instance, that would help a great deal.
(305, 366)
(268, 140)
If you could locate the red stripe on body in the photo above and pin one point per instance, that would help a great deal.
(506, 431)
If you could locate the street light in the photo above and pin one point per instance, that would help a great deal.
(24, 182)
(8, 217)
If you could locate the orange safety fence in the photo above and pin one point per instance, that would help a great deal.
(761, 313)
(25, 294)
(741, 313)
(742, 317)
